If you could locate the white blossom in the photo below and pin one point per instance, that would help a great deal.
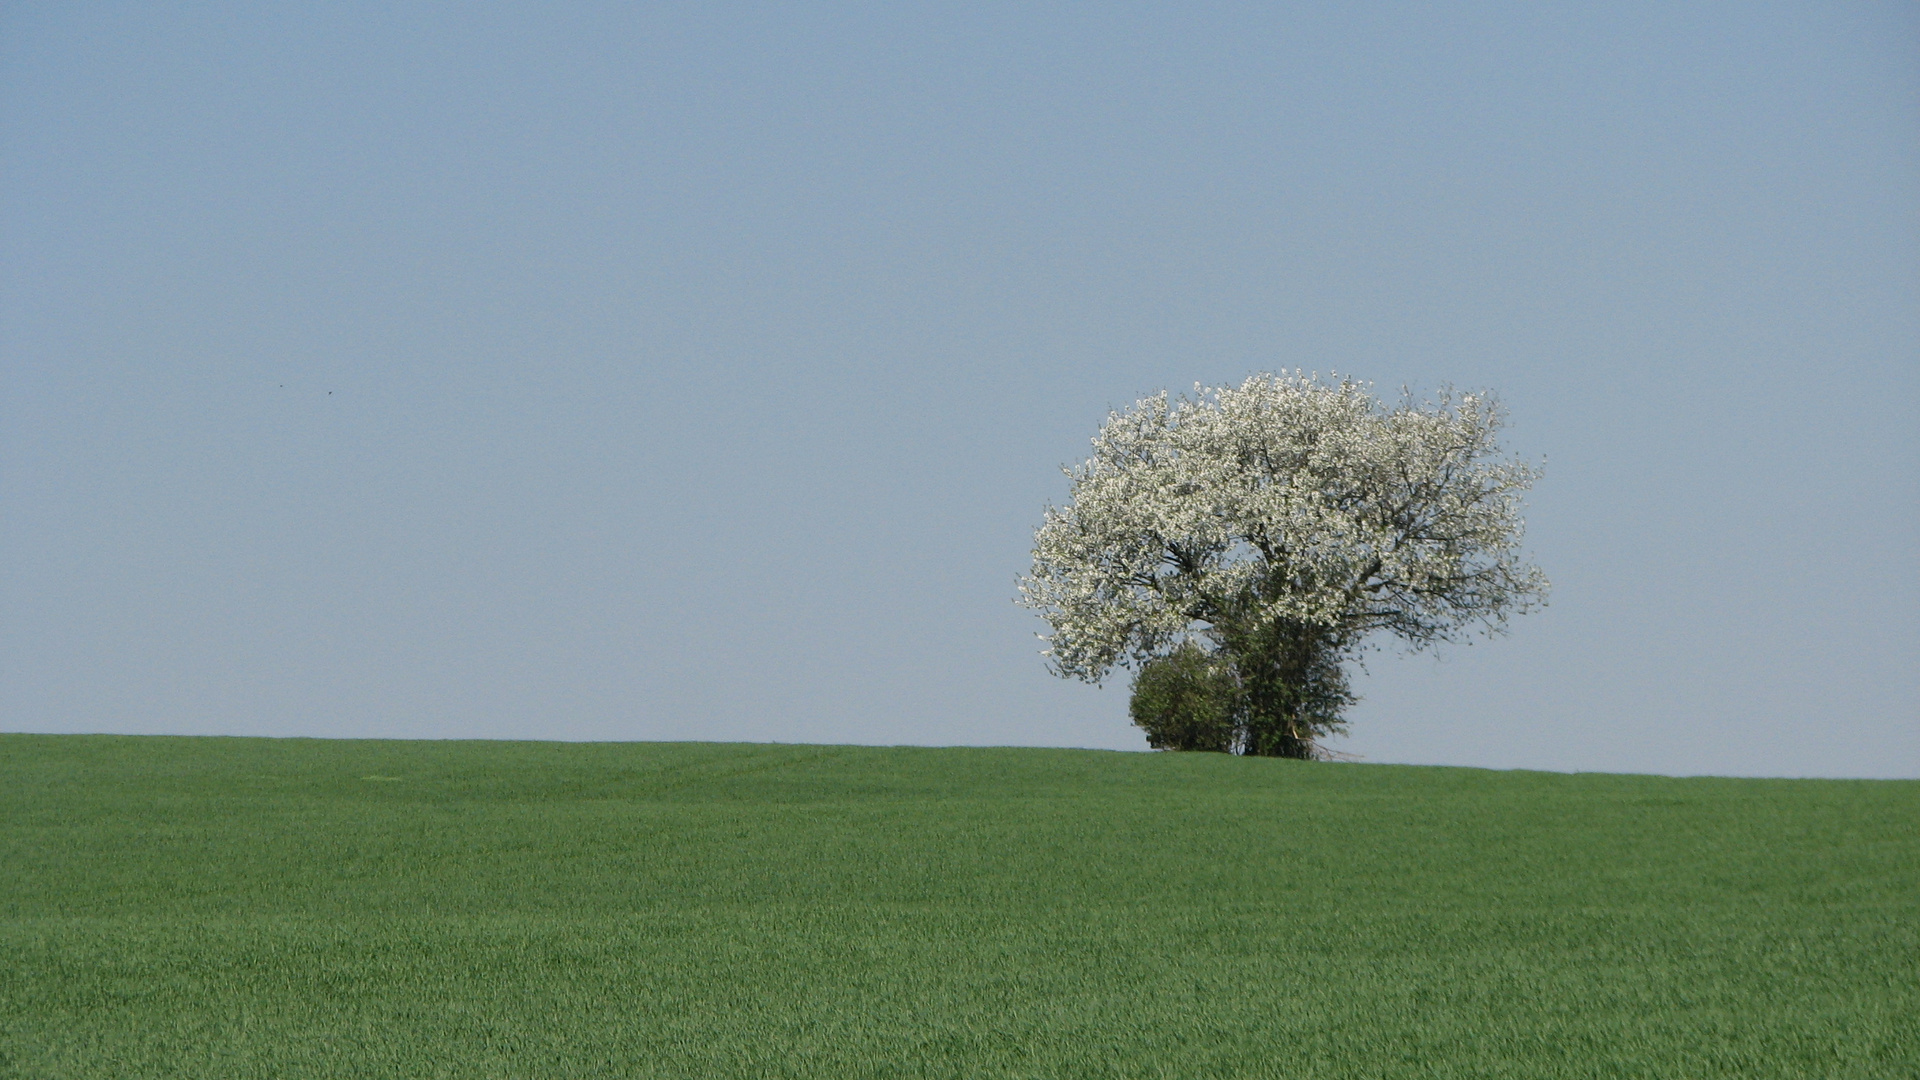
(1285, 498)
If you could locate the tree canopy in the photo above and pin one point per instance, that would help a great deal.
(1277, 525)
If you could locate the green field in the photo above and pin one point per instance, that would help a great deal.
(299, 908)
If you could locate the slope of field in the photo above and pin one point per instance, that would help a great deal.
(262, 908)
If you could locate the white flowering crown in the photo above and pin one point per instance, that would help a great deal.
(1286, 498)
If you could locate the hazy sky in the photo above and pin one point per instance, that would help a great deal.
(701, 371)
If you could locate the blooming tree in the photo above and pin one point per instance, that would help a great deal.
(1277, 525)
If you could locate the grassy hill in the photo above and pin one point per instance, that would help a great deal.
(294, 908)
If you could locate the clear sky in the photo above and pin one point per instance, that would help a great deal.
(700, 371)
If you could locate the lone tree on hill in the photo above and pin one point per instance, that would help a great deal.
(1237, 547)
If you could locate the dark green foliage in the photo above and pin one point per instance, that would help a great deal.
(227, 908)
(1272, 692)
(1293, 685)
(1187, 701)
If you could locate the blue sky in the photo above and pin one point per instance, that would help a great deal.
(701, 371)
